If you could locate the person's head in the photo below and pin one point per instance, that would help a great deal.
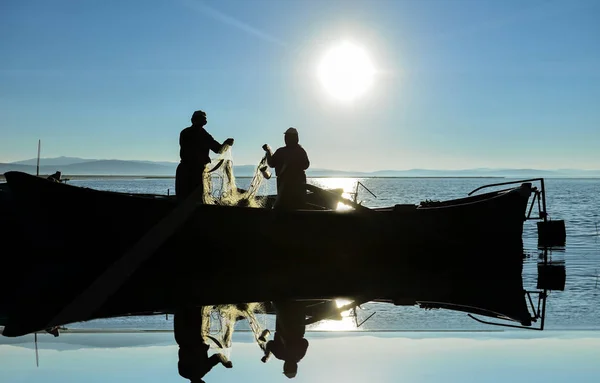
(290, 368)
(291, 137)
(199, 118)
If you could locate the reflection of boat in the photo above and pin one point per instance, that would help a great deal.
(462, 254)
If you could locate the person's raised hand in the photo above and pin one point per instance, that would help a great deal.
(229, 142)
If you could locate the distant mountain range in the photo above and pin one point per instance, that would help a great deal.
(62, 161)
(79, 166)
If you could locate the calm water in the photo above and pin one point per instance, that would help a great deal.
(577, 201)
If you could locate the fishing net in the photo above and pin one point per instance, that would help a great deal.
(220, 320)
(220, 187)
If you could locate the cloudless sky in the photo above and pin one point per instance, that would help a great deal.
(459, 83)
(518, 356)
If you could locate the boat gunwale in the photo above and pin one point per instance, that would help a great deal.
(445, 204)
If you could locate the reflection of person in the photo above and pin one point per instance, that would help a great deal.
(289, 343)
(195, 143)
(290, 163)
(194, 361)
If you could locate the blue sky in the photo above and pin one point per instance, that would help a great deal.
(519, 356)
(459, 83)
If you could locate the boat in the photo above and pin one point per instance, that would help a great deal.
(8, 226)
(93, 259)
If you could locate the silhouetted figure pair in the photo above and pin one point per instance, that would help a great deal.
(195, 143)
(289, 343)
(290, 163)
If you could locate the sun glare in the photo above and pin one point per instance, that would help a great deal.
(347, 322)
(347, 184)
(346, 72)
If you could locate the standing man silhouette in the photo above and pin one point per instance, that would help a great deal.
(290, 163)
(195, 143)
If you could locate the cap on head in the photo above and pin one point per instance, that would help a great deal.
(198, 116)
(291, 131)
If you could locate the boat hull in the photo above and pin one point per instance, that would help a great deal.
(469, 254)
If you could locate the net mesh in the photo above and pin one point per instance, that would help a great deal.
(219, 322)
(220, 189)
(220, 186)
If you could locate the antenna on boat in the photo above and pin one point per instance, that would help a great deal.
(37, 356)
(37, 170)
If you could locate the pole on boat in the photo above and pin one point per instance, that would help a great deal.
(37, 355)
(37, 171)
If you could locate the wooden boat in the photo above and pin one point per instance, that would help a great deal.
(8, 225)
(463, 254)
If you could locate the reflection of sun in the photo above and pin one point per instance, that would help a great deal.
(346, 71)
(347, 322)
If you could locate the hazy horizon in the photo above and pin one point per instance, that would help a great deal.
(445, 85)
(71, 160)
(74, 166)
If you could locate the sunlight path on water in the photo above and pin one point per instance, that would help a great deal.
(347, 323)
(348, 184)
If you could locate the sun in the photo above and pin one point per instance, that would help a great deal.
(346, 71)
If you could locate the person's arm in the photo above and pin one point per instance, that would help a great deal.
(271, 157)
(182, 141)
(304, 163)
(215, 146)
(227, 142)
(267, 351)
